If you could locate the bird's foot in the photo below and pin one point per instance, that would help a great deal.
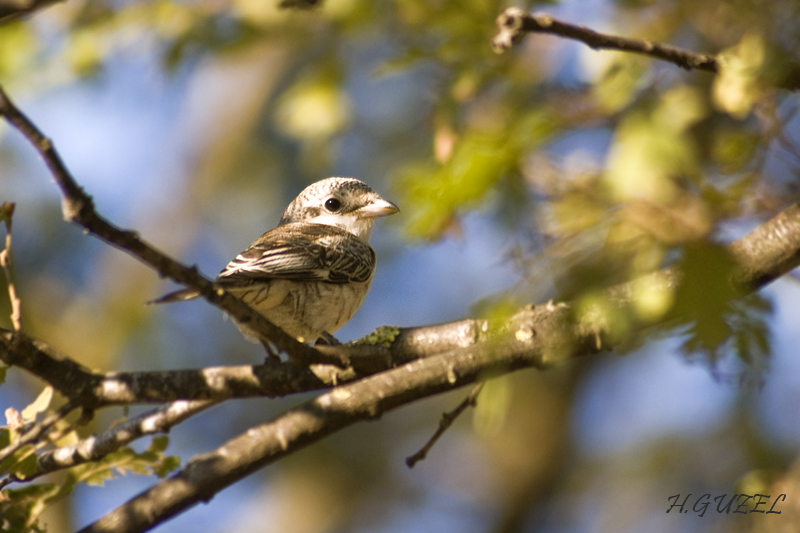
(272, 355)
(328, 340)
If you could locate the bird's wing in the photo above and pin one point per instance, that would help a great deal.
(302, 252)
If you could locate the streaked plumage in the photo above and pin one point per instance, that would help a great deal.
(310, 274)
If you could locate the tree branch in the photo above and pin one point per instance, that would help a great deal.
(445, 422)
(78, 207)
(7, 262)
(38, 429)
(98, 446)
(366, 399)
(514, 23)
(539, 336)
(94, 390)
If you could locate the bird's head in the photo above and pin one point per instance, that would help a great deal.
(347, 203)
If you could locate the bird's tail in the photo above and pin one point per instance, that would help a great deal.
(177, 296)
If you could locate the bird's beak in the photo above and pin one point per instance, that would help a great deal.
(378, 208)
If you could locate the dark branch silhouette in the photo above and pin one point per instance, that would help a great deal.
(445, 422)
(514, 24)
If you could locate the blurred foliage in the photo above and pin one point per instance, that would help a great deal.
(20, 509)
(599, 167)
(717, 314)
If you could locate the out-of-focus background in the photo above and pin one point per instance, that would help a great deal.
(549, 171)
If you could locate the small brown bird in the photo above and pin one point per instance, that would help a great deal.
(310, 274)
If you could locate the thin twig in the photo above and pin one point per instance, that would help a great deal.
(78, 207)
(84, 418)
(96, 447)
(37, 430)
(446, 421)
(7, 262)
(514, 23)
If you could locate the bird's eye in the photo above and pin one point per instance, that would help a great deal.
(333, 204)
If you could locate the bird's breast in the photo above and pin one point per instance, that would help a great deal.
(306, 309)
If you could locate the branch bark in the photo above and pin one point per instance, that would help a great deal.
(96, 447)
(7, 263)
(514, 23)
(366, 399)
(94, 390)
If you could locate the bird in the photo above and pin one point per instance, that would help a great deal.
(311, 273)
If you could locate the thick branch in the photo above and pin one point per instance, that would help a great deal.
(78, 207)
(514, 23)
(94, 390)
(551, 334)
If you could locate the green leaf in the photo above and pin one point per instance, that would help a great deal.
(491, 409)
(166, 466)
(736, 87)
(437, 193)
(158, 444)
(651, 149)
(151, 461)
(18, 48)
(20, 508)
(720, 318)
(3, 374)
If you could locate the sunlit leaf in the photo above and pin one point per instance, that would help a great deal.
(313, 108)
(652, 299)
(18, 47)
(437, 193)
(651, 149)
(86, 51)
(39, 405)
(492, 407)
(736, 86)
